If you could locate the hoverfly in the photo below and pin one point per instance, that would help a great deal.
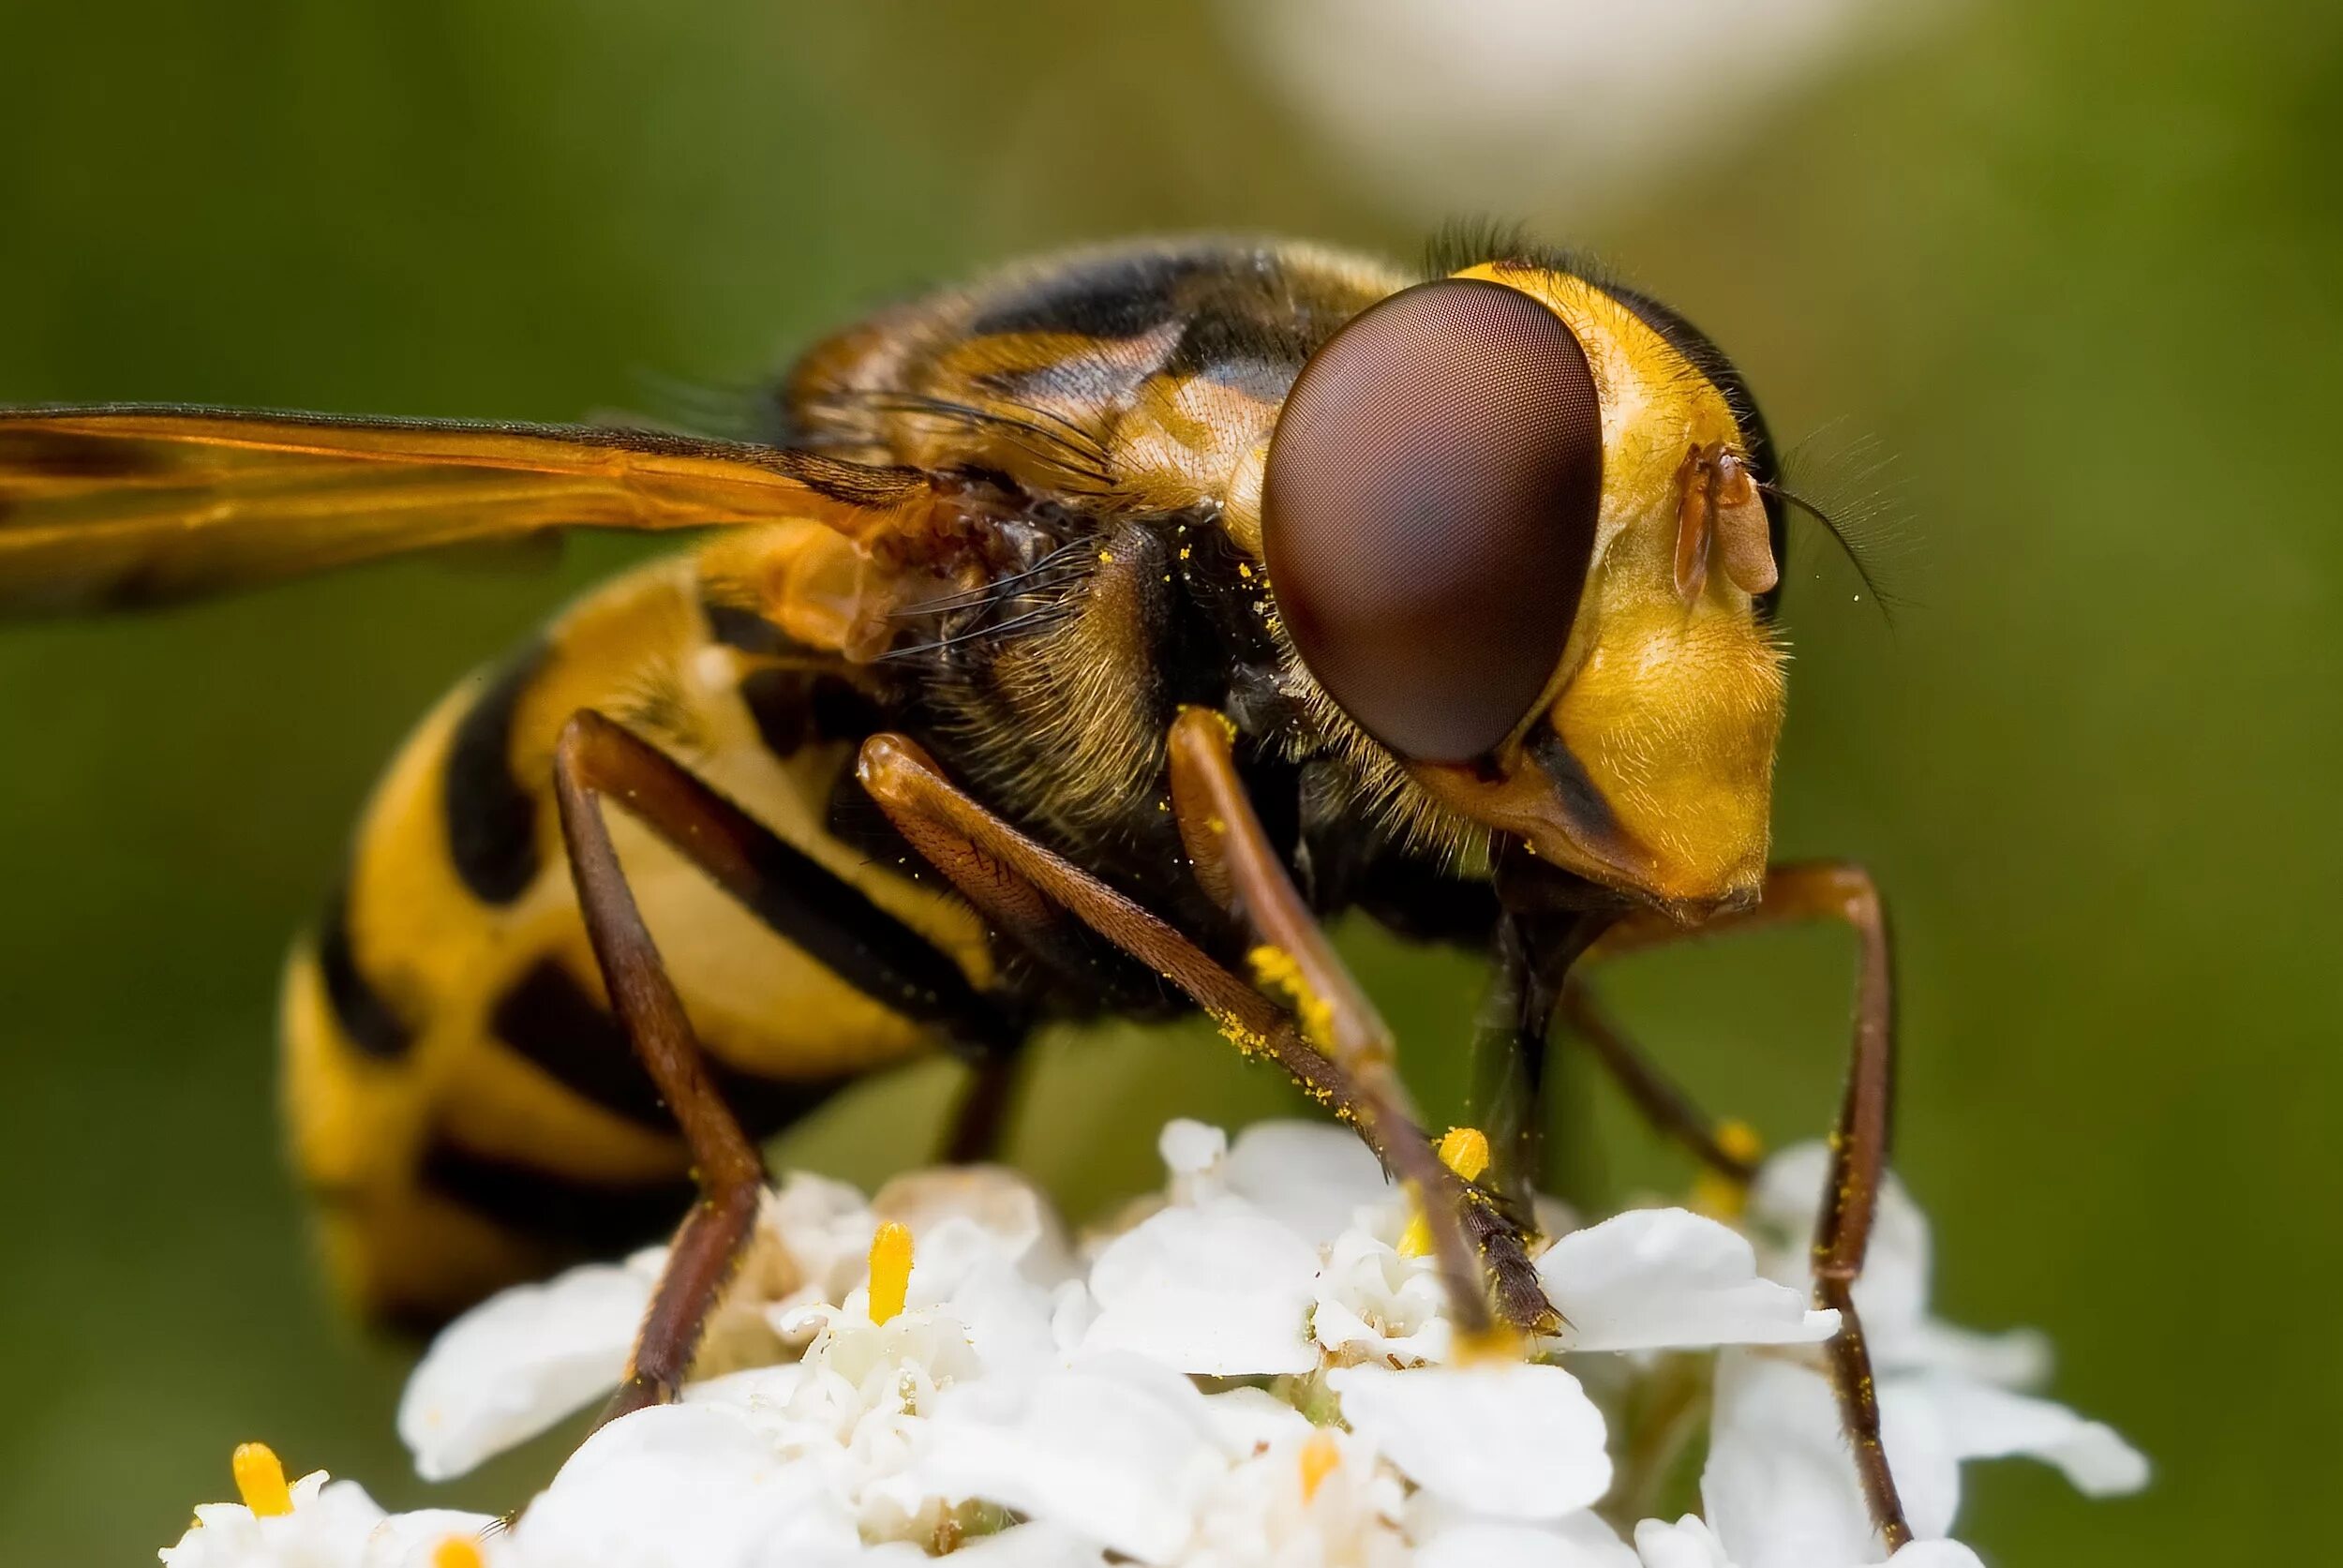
(1108, 622)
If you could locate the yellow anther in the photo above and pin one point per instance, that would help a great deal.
(1716, 1194)
(458, 1551)
(1321, 1453)
(890, 1270)
(1464, 1150)
(1739, 1140)
(261, 1479)
(1495, 1343)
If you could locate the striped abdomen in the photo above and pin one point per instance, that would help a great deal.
(463, 1105)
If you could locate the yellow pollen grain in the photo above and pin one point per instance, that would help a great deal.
(261, 1479)
(1274, 970)
(457, 1551)
(890, 1270)
(1320, 1456)
(1464, 1150)
(1246, 1040)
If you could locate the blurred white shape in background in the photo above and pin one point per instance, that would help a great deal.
(1448, 107)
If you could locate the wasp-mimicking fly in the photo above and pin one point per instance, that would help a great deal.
(1110, 622)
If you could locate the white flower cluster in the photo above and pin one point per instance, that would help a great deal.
(1255, 1368)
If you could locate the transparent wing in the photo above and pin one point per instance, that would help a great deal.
(125, 505)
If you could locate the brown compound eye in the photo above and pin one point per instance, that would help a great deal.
(1428, 512)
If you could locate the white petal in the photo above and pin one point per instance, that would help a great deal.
(1935, 1554)
(1260, 1513)
(1245, 1420)
(1007, 1317)
(1892, 1295)
(1689, 1543)
(1581, 1541)
(409, 1540)
(1221, 1290)
(684, 1487)
(758, 1390)
(328, 1528)
(1511, 1440)
(1780, 1488)
(1038, 1544)
(1372, 1304)
(1981, 1421)
(1115, 1451)
(1190, 1149)
(518, 1363)
(1311, 1176)
(959, 1214)
(1655, 1278)
(820, 1230)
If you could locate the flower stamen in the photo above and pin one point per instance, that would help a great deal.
(457, 1551)
(890, 1270)
(261, 1480)
(1321, 1453)
(1464, 1150)
(1716, 1194)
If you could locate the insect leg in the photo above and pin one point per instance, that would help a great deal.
(598, 759)
(1841, 892)
(731, 1173)
(1237, 864)
(1023, 886)
(1509, 1040)
(1660, 1100)
(979, 1118)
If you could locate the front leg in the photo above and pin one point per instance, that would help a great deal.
(1023, 886)
(1844, 892)
(1237, 864)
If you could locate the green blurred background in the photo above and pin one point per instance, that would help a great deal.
(2075, 268)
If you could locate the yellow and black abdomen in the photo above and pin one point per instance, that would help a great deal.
(462, 1103)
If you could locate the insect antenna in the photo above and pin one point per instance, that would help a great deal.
(1840, 486)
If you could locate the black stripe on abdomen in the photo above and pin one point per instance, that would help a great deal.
(565, 1210)
(491, 818)
(1117, 294)
(552, 1022)
(365, 1015)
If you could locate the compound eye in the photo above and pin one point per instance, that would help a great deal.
(1428, 512)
